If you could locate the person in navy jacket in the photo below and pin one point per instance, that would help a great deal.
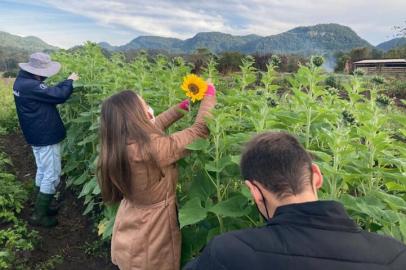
(42, 126)
(302, 232)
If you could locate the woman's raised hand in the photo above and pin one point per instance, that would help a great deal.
(184, 105)
(211, 90)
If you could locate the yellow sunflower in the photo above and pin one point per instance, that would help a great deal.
(194, 87)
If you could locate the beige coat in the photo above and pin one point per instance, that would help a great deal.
(146, 233)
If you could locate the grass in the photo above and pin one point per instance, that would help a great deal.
(15, 237)
(8, 117)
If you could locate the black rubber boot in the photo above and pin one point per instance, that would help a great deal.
(40, 216)
(53, 209)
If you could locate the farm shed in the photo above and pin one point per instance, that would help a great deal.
(386, 67)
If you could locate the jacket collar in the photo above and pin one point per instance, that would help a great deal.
(26, 75)
(329, 215)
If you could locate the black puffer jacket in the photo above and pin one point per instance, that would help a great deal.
(309, 236)
(36, 108)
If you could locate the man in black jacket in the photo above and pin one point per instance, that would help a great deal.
(301, 232)
(42, 127)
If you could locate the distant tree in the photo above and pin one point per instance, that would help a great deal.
(262, 61)
(358, 54)
(376, 53)
(341, 59)
(317, 60)
(276, 61)
(399, 52)
(290, 63)
(10, 57)
(200, 58)
(401, 30)
(230, 61)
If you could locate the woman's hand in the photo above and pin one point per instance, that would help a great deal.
(73, 77)
(184, 105)
(211, 90)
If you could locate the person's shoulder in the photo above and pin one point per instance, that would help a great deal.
(237, 241)
(233, 248)
(383, 240)
(23, 83)
(385, 247)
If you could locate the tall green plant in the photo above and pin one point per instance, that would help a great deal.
(357, 142)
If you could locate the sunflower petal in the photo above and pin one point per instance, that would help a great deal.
(194, 87)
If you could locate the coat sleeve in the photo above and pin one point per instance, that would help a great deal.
(207, 260)
(168, 117)
(172, 148)
(51, 94)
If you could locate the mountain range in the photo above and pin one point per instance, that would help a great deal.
(318, 39)
(393, 43)
(29, 44)
(321, 39)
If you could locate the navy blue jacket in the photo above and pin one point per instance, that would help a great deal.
(308, 236)
(36, 108)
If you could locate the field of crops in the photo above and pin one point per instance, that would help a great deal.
(8, 115)
(356, 135)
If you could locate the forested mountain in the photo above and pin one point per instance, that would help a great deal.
(392, 44)
(29, 44)
(321, 38)
(15, 49)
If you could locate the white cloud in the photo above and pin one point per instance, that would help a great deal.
(162, 18)
(372, 19)
(183, 19)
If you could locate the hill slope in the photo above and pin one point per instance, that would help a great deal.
(28, 44)
(321, 38)
(392, 44)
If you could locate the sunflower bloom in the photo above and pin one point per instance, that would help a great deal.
(194, 87)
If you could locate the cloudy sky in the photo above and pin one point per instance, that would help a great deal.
(66, 23)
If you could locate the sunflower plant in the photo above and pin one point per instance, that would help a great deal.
(195, 87)
(363, 160)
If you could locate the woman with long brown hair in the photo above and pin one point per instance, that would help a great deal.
(137, 167)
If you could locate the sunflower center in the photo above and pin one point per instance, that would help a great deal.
(193, 88)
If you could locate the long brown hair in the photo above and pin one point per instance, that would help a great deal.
(123, 118)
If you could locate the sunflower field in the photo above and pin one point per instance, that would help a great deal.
(356, 137)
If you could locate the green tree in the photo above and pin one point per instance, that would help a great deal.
(230, 61)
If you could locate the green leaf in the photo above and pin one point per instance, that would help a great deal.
(88, 188)
(211, 167)
(198, 145)
(246, 192)
(88, 139)
(201, 187)
(220, 166)
(236, 159)
(89, 208)
(402, 226)
(393, 186)
(394, 202)
(321, 155)
(96, 190)
(193, 240)
(236, 206)
(81, 179)
(192, 212)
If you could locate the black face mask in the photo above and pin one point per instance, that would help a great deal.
(267, 218)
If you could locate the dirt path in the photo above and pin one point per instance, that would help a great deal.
(73, 243)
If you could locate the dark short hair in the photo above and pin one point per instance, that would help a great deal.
(278, 161)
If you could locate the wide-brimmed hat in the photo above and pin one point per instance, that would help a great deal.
(40, 64)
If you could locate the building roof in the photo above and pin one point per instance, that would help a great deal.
(376, 61)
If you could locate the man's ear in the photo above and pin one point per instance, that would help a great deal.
(256, 195)
(317, 177)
